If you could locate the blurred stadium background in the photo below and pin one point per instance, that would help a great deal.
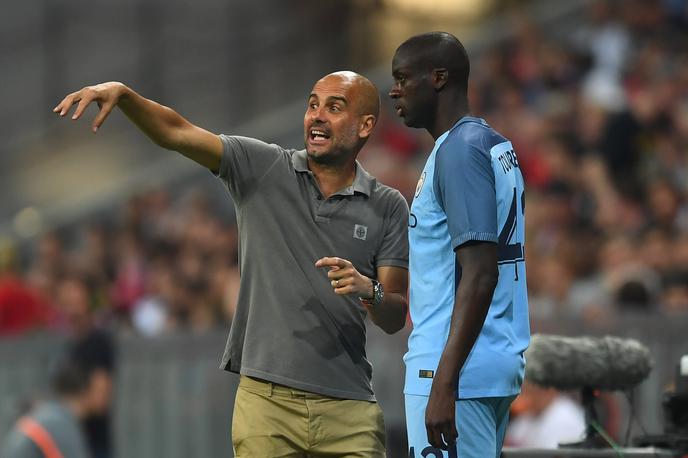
(109, 232)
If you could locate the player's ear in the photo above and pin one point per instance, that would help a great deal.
(439, 78)
(366, 126)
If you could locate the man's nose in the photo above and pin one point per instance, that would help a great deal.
(394, 91)
(317, 114)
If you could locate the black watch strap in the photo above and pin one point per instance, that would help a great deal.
(378, 295)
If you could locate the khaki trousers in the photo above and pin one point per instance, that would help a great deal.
(275, 421)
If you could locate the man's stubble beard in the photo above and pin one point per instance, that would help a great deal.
(336, 155)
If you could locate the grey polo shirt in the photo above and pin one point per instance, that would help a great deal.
(290, 327)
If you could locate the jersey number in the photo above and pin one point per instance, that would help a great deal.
(508, 250)
(429, 452)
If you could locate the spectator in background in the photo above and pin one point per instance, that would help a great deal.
(544, 418)
(49, 262)
(93, 349)
(633, 295)
(129, 282)
(21, 307)
(605, 40)
(151, 315)
(53, 428)
(674, 300)
(93, 259)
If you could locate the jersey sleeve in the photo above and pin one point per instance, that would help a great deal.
(394, 249)
(464, 186)
(245, 161)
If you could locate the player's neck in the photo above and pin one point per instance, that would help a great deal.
(449, 111)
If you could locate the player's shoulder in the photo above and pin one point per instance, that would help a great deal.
(473, 134)
(387, 193)
(250, 144)
(51, 415)
(386, 198)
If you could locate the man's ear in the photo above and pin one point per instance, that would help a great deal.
(439, 78)
(366, 126)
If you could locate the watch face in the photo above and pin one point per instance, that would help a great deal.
(377, 292)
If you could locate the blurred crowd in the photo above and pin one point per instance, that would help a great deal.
(599, 120)
(161, 265)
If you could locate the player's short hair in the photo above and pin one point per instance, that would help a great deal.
(439, 50)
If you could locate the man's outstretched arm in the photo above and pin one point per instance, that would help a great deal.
(161, 124)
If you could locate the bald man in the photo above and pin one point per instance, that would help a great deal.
(322, 245)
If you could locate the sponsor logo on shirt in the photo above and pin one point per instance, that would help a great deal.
(425, 373)
(360, 232)
(419, 186)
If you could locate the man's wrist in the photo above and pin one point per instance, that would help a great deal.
(370, 290)
(445, 383)
(376, 294)
(123, 93)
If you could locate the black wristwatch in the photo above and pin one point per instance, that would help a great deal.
(378, 294)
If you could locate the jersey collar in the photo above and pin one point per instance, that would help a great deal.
(363, 181)
(465, 119)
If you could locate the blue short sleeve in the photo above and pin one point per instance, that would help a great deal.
(464, 185)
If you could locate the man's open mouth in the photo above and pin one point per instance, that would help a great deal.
(318, 135)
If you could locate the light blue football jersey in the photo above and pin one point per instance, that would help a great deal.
(471, 189)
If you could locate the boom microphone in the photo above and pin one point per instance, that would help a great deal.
(605, 363)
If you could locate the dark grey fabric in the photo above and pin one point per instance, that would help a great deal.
(290, 327)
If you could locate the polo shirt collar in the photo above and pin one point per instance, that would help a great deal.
(363, 181)
(300, 161)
